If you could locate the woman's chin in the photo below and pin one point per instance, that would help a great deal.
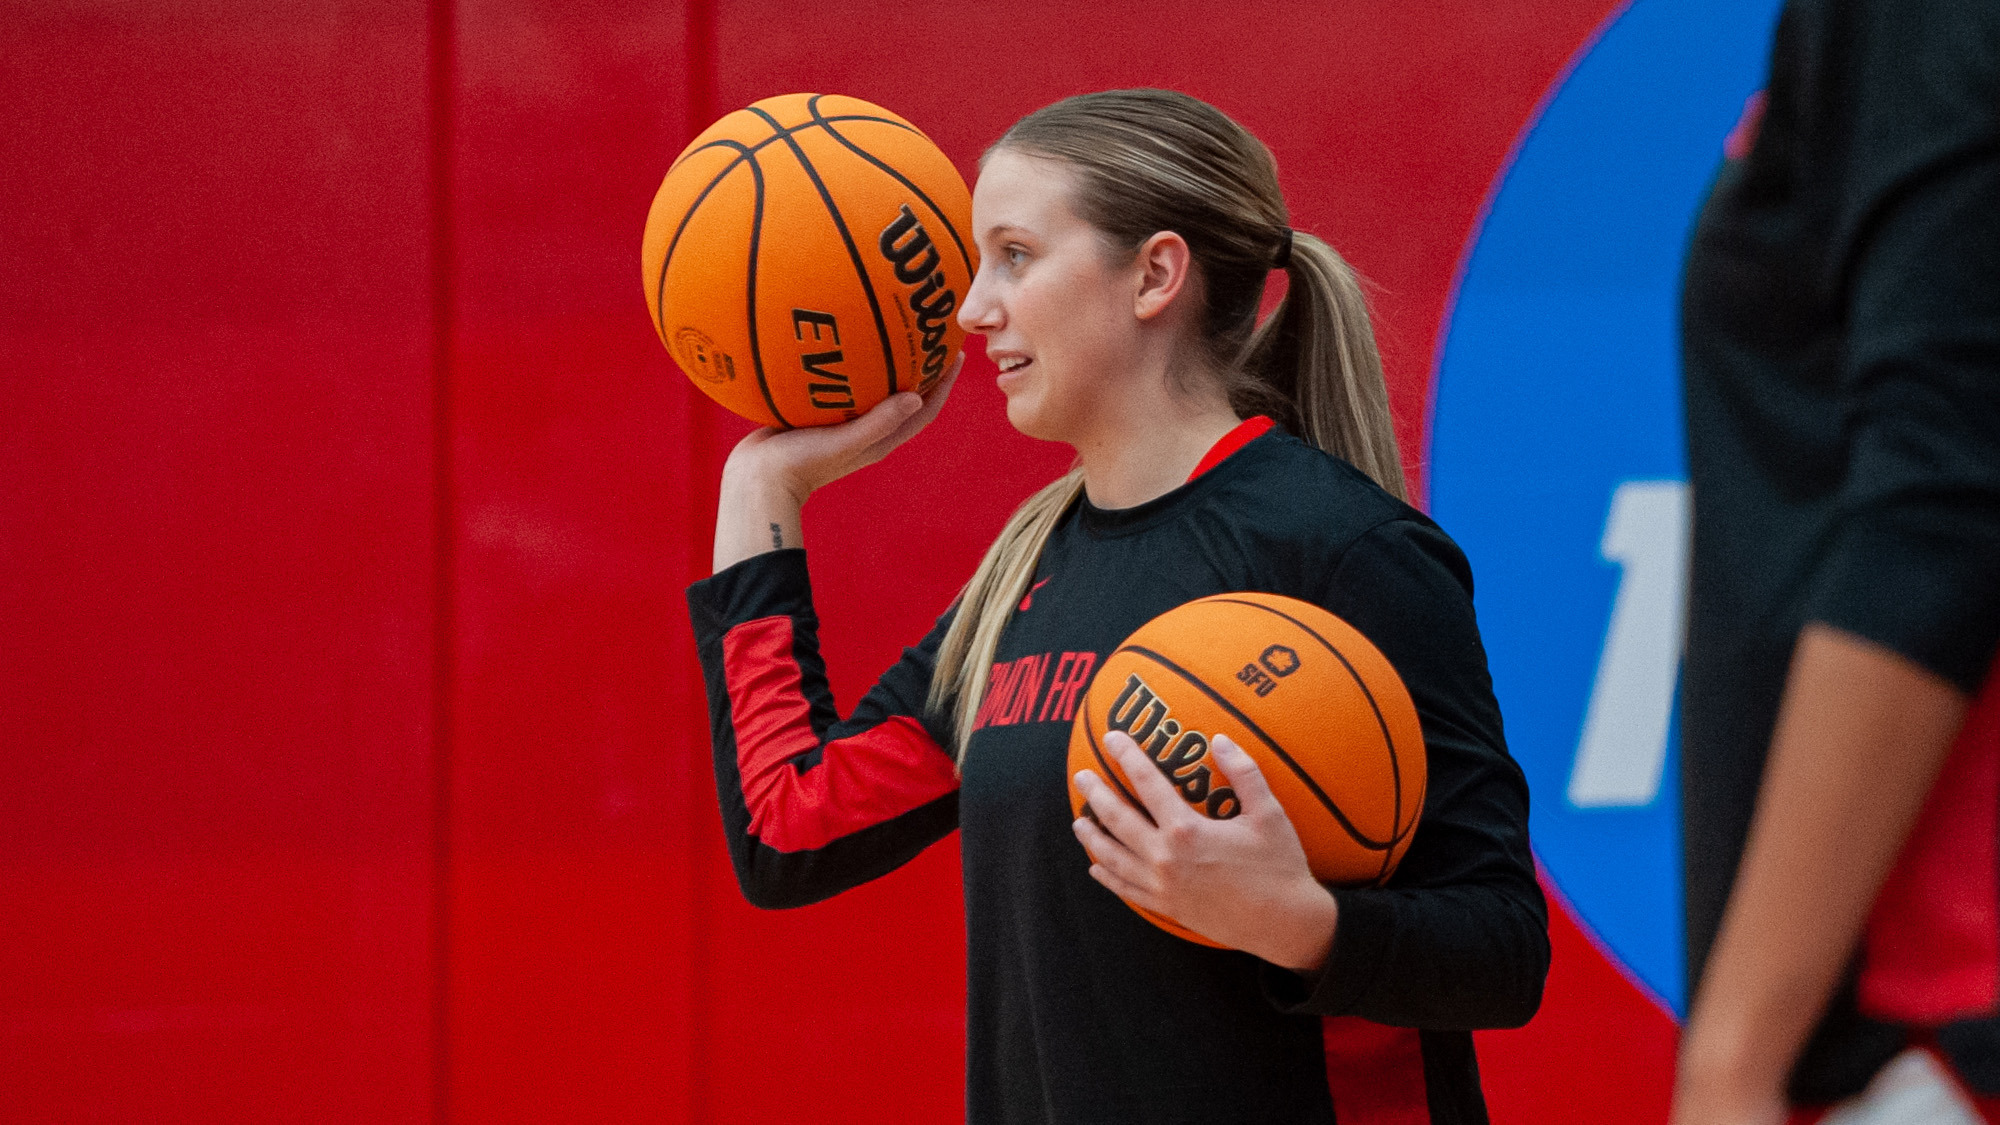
(1025, 415)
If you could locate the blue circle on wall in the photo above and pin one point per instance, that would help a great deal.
(1556, 451)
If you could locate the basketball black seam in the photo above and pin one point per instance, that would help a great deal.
(1297, 769)
(1399, 832)
(853, 253)
(1395, 759)
(1110, 775)
(745, 154)
(750, 292)
(785, 131)
(826, 123)
(756, 233)
(660, 294)
(748, 154)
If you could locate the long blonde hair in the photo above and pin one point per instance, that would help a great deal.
(1147, 161)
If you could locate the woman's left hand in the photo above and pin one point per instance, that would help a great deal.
(1241, 882)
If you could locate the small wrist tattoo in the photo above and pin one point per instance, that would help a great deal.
(777, 538)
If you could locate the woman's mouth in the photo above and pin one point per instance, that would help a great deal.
(1011, 366)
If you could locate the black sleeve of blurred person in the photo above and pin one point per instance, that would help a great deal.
(1841, 343)
(1843, 316)
(1914, 561)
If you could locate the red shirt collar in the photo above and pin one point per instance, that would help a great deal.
(1246, 431)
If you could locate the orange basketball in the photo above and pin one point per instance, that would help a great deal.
(1327, 719)
(805, 257)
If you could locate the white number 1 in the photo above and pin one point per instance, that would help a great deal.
(1624, 745)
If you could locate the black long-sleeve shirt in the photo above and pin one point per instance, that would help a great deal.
(1841, 340)
(1079, 1010)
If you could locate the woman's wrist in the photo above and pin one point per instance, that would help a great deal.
(756, 495)
(1726, 1071)
(758, 510)
(1302, 933)
(751, 473)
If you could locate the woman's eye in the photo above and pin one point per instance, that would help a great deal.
(1014, 255)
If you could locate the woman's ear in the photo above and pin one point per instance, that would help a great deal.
(1163, 262)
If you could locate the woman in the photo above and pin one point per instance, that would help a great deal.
(1125, 240)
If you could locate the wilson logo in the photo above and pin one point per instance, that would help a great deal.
(908, 247)
(1181, 754)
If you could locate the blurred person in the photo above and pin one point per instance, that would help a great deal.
(1840, 774)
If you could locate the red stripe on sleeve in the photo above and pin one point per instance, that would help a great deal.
(1743, 137)
(1246, 431)
(860, 781)
(1375, 1072)
(1931, 949)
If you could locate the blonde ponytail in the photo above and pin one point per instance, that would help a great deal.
(965, 659)
(1317, 353)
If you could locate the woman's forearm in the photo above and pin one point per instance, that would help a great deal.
(1860, 737)
(755, 512)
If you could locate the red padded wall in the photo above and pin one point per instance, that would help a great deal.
(354, 765)
(572, 904)
(216, 518)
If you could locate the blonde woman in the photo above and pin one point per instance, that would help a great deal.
(1126, 238)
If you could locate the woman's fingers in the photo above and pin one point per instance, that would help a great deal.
(812, 457)
(1244, 774)
(860, 437)
(1115, 866)
(933, 402)
(889, 425)
(816, 456)
(1158, 795)
(1115, 815)
(892, 422)
(1108, 853)
(1130, 892)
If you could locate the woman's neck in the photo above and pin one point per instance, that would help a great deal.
(1152, 448)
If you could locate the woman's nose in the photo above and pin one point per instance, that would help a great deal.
(979, 312)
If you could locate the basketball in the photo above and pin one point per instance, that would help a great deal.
(1321, 710)
(805, 257)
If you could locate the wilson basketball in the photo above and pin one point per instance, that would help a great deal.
(1327, 719)
(805, 257)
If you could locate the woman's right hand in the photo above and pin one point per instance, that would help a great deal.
(771, 472)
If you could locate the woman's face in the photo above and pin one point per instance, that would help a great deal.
(1051, 298)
